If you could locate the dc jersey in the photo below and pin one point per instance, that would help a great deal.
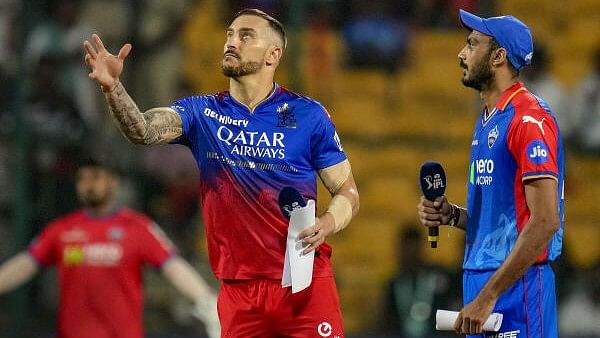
(100, 262)
(245, 159)
(518, 140)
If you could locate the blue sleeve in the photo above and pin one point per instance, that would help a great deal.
(187, 109)
(326, 146)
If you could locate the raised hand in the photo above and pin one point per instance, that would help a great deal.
(105, 67)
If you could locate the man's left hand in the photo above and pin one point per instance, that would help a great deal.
(472, 317)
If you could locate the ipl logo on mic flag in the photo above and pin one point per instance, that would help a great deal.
(433, 180)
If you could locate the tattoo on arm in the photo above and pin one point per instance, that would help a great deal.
(155, 126)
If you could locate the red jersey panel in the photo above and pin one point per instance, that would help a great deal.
(100, 261)
(533, 140)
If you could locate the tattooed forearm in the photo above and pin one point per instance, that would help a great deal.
(126, 114)
(155, 126)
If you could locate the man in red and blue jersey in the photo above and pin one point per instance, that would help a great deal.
(100, 251)
(514, 214)
(250, 142)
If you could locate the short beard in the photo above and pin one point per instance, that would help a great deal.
(481, 75)
(92, 202)
(245, 68)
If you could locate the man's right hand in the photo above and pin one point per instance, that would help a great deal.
(436, 213)
(105, 67)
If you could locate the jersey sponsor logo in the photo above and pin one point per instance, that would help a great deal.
(224, 119)
(253, 143)
(73, 255)
(481, 172)
(178, 107)
(285, 116)
(324, 329)
(507, 334)
(537, 152)
(530, 119)
(96, 254)
(103, 254)
(493, 136)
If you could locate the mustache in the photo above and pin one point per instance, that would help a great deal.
(231, 52)
(462, 64)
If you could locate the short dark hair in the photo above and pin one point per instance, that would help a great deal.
(97, 162)
(273, 23)
(495, 45)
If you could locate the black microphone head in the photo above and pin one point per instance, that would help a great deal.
(433, 180)
(290, 199)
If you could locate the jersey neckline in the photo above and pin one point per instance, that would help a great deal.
(502, 103)
(266, 100)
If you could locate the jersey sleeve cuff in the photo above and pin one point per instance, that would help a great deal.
(166, 260)
(35, 259)
(184, 124)
(331, 162)
(540, 174)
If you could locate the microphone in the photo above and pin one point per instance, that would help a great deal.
(290, 199)
(433, 185)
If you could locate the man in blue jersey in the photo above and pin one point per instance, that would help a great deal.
(250, 142)
(514, 213)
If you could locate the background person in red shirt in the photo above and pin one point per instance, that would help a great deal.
(100, 251)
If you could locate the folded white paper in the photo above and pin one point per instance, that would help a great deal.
(298, 268)
(444, 320)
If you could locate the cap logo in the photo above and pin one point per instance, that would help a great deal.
(529, 56)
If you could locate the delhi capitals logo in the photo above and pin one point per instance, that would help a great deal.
(286, 117)
(492, 136)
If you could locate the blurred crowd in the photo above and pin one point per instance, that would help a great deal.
(43, 78)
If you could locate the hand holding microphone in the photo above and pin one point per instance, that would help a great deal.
(434, 209)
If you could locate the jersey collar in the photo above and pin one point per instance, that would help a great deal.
(509, 94)
(267, 99)
(501, 105)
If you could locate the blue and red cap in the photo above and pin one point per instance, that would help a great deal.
(510, 33)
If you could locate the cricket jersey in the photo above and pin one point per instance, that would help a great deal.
(245, 158)
(516, 141)
(100, 262)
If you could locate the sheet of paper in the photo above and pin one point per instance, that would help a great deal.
(298, 268)
(444, 320)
